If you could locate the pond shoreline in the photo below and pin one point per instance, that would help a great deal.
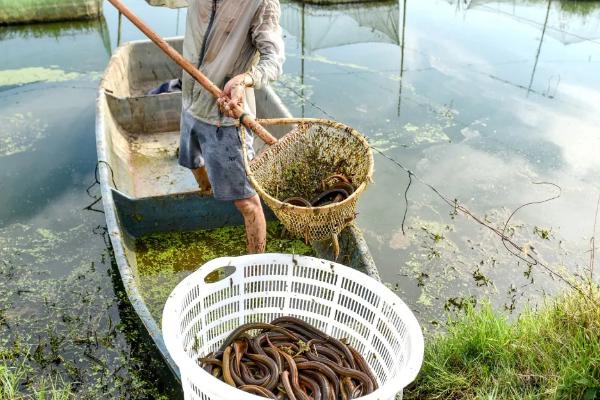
(551, 353)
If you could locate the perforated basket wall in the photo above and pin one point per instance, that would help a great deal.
(333, 144)
(343, 302)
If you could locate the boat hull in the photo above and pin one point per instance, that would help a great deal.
(143, 189)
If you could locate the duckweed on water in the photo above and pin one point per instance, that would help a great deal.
(288, 86)
(164, 259)
(19, 133)
(67, 335)
(35, 74)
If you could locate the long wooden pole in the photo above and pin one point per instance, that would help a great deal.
(248, 120)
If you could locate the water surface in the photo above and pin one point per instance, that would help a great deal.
(480, 99)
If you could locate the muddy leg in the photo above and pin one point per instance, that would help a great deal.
(335, 245)
(254, 220)
(202, 179)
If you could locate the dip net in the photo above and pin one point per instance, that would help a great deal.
(300, 165)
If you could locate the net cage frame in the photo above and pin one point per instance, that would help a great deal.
(297, 220)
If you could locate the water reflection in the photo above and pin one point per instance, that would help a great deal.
(477, 99)
(45, 63)
(317, 28)
(73, 45)
(566, 21)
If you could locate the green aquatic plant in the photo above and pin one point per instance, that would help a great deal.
(542, 233)
(15, 374)
(20, 133)
(66, 329)
(290, 87)
(165, 259)
(429, 133)
(35, 74)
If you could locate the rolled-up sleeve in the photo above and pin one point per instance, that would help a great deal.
(267, 38)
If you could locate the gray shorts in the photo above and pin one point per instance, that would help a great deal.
(219, 150)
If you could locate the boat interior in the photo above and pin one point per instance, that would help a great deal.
(143, 130)
(138, 138)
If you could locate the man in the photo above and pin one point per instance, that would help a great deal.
(238, 45)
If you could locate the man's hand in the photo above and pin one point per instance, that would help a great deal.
(234, 94)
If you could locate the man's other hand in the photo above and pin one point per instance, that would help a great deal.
(234, 94)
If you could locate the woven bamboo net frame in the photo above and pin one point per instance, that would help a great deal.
(325, 148)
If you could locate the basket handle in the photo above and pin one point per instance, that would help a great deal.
(238, 112)
(219, 273)
(287, 121)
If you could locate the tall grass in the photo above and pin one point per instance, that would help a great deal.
(553, 353)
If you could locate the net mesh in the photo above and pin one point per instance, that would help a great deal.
(313, 150)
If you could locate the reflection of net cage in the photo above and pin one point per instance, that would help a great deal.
(563, 24)
(336, 25)
(334, 147)
(19, 11)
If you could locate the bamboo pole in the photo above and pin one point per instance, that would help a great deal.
(247, 120)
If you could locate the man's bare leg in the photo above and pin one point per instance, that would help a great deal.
(254, 220)
(202, 179)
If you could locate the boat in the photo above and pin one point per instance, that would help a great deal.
(145, 191)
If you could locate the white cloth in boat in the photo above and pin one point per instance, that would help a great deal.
(239, 36)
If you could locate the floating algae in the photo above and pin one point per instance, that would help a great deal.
(289, 87)
(35, 74)
(164, 259)
(428, 133)
(19, 133)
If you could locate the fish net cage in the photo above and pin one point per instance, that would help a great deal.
(24, 11)
(202, 311)
(313, 151)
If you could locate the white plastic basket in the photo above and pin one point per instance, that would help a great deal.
(342, 302)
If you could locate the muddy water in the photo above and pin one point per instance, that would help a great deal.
(479, 101)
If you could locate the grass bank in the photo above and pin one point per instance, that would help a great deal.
(553, 353)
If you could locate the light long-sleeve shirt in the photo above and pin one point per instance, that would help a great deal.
(226, 38)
